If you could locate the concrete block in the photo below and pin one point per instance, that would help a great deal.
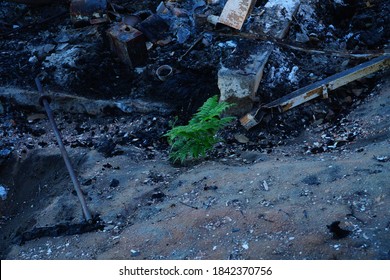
(240, 74)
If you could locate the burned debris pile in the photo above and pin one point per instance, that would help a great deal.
(165, 59)
(308, 80)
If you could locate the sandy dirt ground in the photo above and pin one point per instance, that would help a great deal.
(310, 183)
(251, 205)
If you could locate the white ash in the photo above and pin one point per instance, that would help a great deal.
(3, 192)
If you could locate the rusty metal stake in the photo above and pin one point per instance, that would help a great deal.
(45, 100)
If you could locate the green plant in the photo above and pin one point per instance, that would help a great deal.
(199, 136)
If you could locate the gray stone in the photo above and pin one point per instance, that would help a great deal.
(33, 59)
(302, 38)
(135, 253)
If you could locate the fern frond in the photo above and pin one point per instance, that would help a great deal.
(196, 138)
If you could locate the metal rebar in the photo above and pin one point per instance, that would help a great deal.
(44, 100)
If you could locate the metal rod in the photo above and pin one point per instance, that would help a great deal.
(45, 102)
(192, 46)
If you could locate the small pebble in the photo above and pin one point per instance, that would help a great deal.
(265, 185)
(135, 253)
(33, 59)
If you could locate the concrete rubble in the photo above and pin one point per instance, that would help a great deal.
(135, 36)
(240, 75)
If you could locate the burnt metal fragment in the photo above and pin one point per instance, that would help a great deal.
(128, 44)
(318, 89)
(154, 28)
(158, 196)
(106, 147)
(333, 82)
(213, 187)
(163, 72)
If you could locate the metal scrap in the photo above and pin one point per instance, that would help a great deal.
(128, 43)
(154, 28)
(320, 88)
(333, 82)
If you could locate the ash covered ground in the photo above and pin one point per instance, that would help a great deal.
(267, 193)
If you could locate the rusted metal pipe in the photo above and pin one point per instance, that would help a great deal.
(44, 100)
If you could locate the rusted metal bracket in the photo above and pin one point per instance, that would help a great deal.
(320, 88)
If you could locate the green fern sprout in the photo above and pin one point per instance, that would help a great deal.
(199, 136)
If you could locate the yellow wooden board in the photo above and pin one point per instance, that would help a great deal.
(235, 12)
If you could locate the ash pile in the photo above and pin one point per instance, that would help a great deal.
(157, 60)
